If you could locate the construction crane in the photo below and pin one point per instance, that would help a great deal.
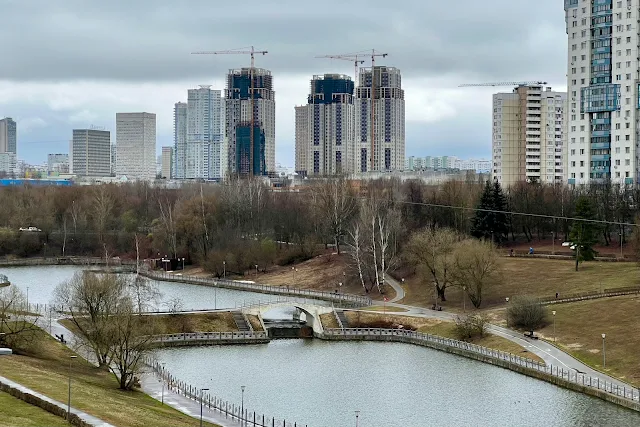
(244, 51)
(354, 58)
(504, 84)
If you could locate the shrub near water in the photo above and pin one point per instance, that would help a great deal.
(470, 327)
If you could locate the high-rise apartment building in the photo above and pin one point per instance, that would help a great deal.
(91, 152)
(57, 163)
(603, 73)
(381, 147)
(180, 140)
(529, 140)
(136, 145)
(325, 132)
(167, 163)
(8, 136)
(205, 154)
(251, 151)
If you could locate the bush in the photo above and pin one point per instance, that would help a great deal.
(470, 327)
(526, 312)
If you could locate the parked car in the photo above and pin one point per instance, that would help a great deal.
(29, 229)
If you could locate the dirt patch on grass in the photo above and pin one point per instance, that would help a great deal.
(329, 321)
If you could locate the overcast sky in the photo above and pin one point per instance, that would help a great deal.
(75, 63)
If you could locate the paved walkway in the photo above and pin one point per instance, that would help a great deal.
(152, 386)
(396, 287)
(90, 419)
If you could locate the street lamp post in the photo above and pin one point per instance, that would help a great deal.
(27, 299)
(242, 401)
(224, 269)
(162, 379)
(201, 399)
(183, 263)
(554, 325)
(256, 272)
(553, 235)
(464, 299)
(69, 399)
(357, 417)
(621, 245)
(604, 352)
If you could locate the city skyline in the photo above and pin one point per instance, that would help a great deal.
(440, 117)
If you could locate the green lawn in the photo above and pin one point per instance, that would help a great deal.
(16, 413)
(94, 391)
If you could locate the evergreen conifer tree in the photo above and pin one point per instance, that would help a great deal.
(583, 233)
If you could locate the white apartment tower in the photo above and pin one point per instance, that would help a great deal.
(381, 148)
(247, 156)
(325, 132)
(166, 161)
(603, 87)
(205, 155)
(180, 140)
(136, 145)
(529, 142)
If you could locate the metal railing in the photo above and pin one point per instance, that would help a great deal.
(510, 360)
(212, 336)
(232, 411)
(344, 299)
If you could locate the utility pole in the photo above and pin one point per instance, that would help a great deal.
(251, 52)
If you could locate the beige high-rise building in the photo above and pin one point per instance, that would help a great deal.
(167, 163)
(136, 145)
(529, 141)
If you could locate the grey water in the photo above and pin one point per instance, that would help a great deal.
(40, 283)
(322, 384)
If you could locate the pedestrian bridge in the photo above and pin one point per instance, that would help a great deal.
(312, 312)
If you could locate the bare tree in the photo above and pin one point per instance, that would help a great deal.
(337, 202)
(168, 223)
(103, 205)
(355, 245)
(477, 267)
(92, 300)
(132, 341)
(18, 329)
(145, 294)
(432, 253)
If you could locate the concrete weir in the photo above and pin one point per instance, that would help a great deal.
(312, 313)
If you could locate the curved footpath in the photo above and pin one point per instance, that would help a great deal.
(550, 354)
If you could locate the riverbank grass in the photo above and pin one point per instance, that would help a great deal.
(16, 413)
(94, 391)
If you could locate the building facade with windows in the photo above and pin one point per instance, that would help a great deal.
(8, 136)
(528, 137)
(250, 151)
(380, 96)
(136, 146)
(91, 152)
(57, 163)
(603, 80)
(166, 162)
(325, 133)
(180, 140)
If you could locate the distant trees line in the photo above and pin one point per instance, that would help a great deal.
(244, 223)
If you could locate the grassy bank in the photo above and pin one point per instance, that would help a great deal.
(538, 277)
(16, 413)
(579, 329)
(435, 327)
(94, 391)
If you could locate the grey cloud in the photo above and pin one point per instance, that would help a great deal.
(151, 40)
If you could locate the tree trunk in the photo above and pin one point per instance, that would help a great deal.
(440, 290)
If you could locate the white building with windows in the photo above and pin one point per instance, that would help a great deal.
(325, 133)
(528, 138)
(180, 140)
(57, 163)
(384, 148)
(90, 153)
(136, 146)
(603, 80)
(8, 136)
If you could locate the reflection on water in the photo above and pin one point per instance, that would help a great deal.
(393, 385)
